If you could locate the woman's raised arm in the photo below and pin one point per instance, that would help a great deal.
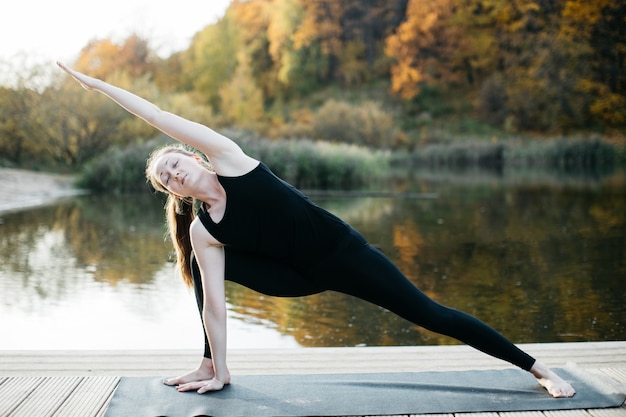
(226, 156)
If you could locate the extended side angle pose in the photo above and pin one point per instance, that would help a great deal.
(255, 229)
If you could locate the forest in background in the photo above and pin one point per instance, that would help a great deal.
(395, 75)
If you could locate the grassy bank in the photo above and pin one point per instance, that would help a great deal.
(557, 153)
(323, 165)
(304, 163)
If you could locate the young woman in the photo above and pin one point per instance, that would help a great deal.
(255, 229)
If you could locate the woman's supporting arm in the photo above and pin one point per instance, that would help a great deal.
(225, 155)
(211, 260)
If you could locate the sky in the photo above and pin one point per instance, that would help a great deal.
(38, 31)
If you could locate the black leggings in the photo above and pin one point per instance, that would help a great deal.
(364, 272)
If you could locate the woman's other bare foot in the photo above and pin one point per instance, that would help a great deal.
(201, 373)
(556, 386)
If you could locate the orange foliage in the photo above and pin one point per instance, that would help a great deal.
(253, 17)
(98, 58)
(101, 58)
(321, 23)
(417, 46)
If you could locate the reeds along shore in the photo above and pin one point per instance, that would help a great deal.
(315, 164)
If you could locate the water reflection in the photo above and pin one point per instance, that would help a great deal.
(541, 263)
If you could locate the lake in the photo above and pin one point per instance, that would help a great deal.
(539, 257)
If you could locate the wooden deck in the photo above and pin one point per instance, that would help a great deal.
(81, 383)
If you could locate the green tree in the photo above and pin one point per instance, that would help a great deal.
(15, 145)
(60, 126)
(283, 21)
(321, 28)
(242, 100)
(73, 127)
(253, 18)
(211, 58)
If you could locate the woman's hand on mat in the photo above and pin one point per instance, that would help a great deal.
(209, 385)
(202, 379)
(201, 373)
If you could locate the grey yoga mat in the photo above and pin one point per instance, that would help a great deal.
(362, 395)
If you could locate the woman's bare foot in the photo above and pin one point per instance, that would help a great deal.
(202, 373)
(556, 386)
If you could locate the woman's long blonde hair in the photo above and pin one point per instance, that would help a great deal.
(179, 211)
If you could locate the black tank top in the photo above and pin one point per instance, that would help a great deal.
(267, 216)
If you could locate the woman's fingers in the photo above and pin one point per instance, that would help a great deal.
(201, 386)
(213, 385)
(82, 79)
(189, 386)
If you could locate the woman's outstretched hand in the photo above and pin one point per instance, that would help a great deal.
(87, 82)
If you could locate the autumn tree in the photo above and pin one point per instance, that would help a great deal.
(321, 33)
(554, 75)
(366, 24)
(103, 58)
(284, 20)
(253, 18)
(57, 126)
(597, 32)
(73, 127)
(420, 47)
(536, 88)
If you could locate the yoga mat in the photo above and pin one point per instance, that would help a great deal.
(362, 395)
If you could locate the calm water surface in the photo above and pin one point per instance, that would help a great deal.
(540, 260)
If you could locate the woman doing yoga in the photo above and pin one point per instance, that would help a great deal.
(255, 229)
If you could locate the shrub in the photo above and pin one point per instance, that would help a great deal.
(118, 170)
(366, 124)
(584, 155)
(304, 163)
(461, 154)
(563, 154)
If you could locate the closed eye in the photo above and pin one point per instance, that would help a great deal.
(174, 165)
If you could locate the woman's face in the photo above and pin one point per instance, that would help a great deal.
(178, 173)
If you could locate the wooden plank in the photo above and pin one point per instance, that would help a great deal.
(303, 360)
(90, 398)
(609, 412)
(47, 397)
(567, 413)
(15, 391)
(397, 415)
(618, 374)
